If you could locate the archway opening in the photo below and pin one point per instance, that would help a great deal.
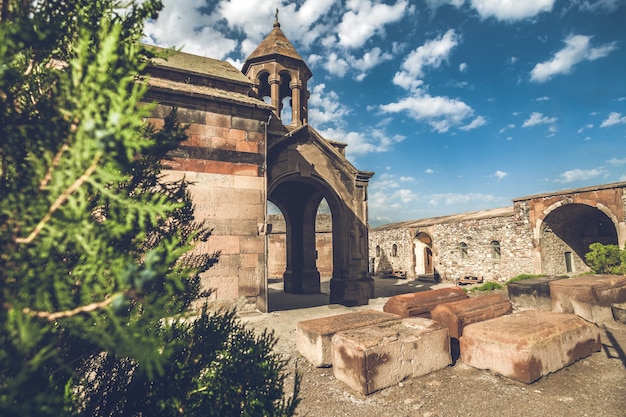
(423, 254)
(566, 234)
(300, 247)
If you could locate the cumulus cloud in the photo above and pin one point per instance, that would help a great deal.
(440, 112)
(577, 49)
(614, 119)
(510, 10)
(581, 175)
(364, 19)
(429, 171)
(538, 119)
(432, 54)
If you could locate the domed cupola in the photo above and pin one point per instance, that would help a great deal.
(279, 72)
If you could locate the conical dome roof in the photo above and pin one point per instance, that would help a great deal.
(274, 46)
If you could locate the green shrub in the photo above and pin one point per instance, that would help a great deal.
(216, 366)
(522, 277)
(606, 259)
(487, 286)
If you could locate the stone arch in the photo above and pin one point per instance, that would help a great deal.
(423, 254)
(566, 231)
(303, 169)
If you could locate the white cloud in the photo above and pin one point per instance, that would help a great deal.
(456, 199)
(440, 112)
(432, 54)
(544, 98)
(510, 10)
(361, 143)
(336, 65)
(617, 162)
(463, 67)
(364, 19)
(614, 119)
(538, 119)
(433, 4)
(477, 122)
(325, 107)
(577, 49)
(605, 5)
(581, 175)
(500, 174)
(429, 171)
(585, 127)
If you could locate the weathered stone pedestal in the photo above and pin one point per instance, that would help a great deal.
(375, 357)
(420, 304)
(528, 345)
(351, 292)
(531, 294)
(314, 337)
(458, 314)
(589, 296)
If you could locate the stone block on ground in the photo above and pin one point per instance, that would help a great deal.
(374, 357)
(531, 294)
(458, 314)
(528, 345)
(420, 304)
(589, 296)
(619, 312)
(314, 337)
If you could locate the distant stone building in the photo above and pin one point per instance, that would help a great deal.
(546, 233)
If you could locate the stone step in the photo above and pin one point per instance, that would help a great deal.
(458, 314)
(374, 357)
(589, 296)
(420, 304)
(314, 337)
(528, 345)
(531, 294)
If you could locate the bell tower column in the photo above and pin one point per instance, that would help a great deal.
(274, 82)
(296, 102)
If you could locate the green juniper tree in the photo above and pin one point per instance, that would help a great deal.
(95, 248)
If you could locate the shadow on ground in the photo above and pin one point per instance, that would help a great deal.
(383, 288)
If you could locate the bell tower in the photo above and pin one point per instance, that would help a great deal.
(279, 72)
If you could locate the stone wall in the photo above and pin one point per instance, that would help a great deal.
(512, 231)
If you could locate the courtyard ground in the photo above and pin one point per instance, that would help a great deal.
(593, 386)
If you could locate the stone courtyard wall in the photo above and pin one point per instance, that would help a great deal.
(512, 231)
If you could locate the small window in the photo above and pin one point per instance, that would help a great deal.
(495, 250)
(463, 250)
(378, 251)
(394, 250)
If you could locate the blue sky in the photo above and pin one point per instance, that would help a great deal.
(457, 105)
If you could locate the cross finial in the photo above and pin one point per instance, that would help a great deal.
(276, 17)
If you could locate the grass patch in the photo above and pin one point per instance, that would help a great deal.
(522, 277)
(487, 286)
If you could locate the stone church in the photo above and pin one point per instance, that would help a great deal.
(239, 154)
(249, 143)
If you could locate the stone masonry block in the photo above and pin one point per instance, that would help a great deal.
(313, 337)
(458, 314)
(589, 296)
(374, 357)
(531, 294)
(528, 345)
(419, 304)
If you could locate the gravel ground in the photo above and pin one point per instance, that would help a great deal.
(593, 386)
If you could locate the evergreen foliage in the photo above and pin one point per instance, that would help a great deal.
(95, 246)
(606, 259)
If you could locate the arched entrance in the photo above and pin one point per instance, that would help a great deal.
(566, 233)
(423, 254)
(304, 169)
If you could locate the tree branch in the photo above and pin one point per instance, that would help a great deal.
(69, 313)
(59, 201)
